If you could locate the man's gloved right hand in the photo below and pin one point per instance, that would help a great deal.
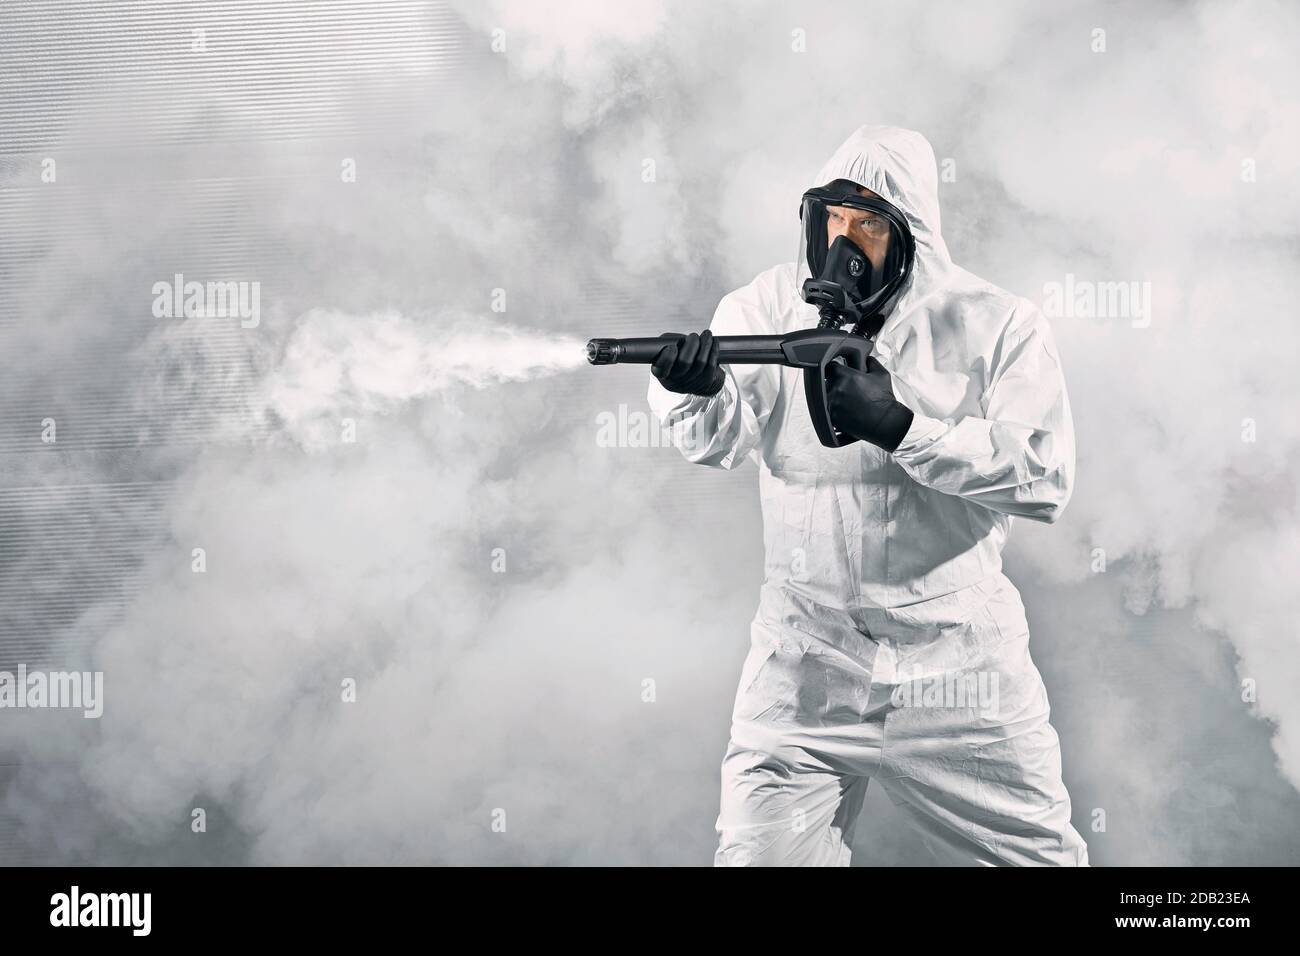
(689, 365)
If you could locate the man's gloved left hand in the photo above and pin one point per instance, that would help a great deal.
(863, 404)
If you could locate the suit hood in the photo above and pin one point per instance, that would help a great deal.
(898, 165)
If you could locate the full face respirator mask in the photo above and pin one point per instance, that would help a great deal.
(854, 253)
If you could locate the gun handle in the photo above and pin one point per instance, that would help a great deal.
(854, 350)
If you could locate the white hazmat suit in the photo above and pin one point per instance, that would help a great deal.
(887, 642)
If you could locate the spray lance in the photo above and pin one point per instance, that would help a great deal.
(855, 253)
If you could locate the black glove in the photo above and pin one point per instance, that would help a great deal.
(689, 366)
(863, 404)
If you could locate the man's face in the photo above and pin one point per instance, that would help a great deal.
(866, 230)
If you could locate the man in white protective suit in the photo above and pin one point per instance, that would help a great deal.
(888, 643)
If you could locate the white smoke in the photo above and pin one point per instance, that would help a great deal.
(661, 147)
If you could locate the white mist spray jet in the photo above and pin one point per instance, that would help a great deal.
(336, 362)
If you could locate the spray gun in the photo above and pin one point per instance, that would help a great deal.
(809, 349)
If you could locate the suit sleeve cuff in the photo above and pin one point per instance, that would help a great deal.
(923, 431)
(672, 406)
